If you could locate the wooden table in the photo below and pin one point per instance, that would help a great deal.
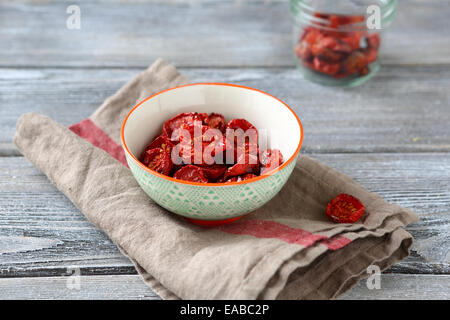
(392, 135)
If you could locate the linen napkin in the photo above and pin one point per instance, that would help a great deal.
(287, 249)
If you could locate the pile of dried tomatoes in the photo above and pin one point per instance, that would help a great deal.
(337, 53)
(205, 148)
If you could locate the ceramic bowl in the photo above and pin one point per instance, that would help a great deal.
(209, 203)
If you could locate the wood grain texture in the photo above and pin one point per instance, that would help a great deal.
(403, 109)
(398, 287)
(231, 33)
(31, 207)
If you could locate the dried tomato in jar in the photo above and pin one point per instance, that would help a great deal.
(335, 43)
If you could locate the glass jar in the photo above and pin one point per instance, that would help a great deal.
(337, 43)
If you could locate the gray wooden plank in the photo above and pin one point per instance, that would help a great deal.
(403, 109)
(46, 234)
(395, 287)
(193, 33)
(107, 287)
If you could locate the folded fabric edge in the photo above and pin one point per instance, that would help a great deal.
(327, 279)
(353, 268)
(398, 255)
(313, 255)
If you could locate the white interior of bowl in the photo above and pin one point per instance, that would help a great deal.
(277, 125)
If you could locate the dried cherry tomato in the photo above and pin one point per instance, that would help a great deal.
(334, 44)
(311, 35)
(191, 131)
(214, 148)
(190, 173)
(188, 153)
(326, 54)
(159, 160)
(303, 51)
(247, 163)
(353, 39)
(216, 121)
(243, 142)
(194, 149)
(215, 171)
(271, 158)
(334, 21)
(373, 41)
(162, 142)
(345, 209)
(354, 63)
(326, 67)
(234, 150)
(241, 168)
(178, 121)
(370, 54)
(203, 117)
(240, 124)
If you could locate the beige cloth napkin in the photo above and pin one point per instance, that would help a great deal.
(287, 249)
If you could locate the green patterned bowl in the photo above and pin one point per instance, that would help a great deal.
(213, 203)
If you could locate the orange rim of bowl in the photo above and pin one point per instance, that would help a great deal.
(211, 184)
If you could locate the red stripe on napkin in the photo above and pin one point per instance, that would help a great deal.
(89, 131)
(272, 229)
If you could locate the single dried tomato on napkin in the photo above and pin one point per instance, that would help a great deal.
(345, 209)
